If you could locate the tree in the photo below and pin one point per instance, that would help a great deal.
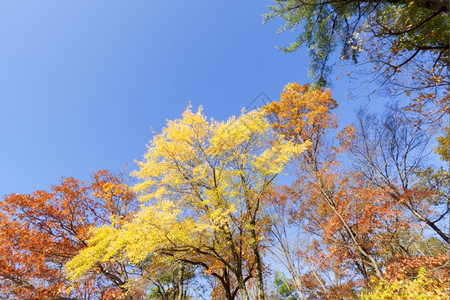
(393, 153)
(407, 41)
(354, 229)
(171, 281)
(40, 232)
(283, 288)
(202, 185)
(285, 242)
(322, 197)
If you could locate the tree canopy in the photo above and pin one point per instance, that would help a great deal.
(40, 232)
(407, 41)
(203, 183)
(362, 214)
(280, 202)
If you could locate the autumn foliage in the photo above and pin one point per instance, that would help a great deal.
(41, 231)
(361, 222)
(361, 214)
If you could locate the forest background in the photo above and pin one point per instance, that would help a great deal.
(83, 82)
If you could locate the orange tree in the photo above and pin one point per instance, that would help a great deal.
(353, 227)
(41, 231)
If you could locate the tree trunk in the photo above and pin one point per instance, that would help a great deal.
(242, 287)
(258, 264)
(181, 286)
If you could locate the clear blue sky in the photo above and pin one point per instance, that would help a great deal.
(82, 82)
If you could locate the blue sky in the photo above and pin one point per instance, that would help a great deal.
(82, 82)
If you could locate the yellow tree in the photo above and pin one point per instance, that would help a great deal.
(202, 185)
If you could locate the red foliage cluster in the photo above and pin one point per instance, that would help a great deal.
(40, 232)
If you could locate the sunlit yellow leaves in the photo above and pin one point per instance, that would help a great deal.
(423, 287)
(444, 145)
(199, 180)
(273, 160)
(199, 156)
(152, 228)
